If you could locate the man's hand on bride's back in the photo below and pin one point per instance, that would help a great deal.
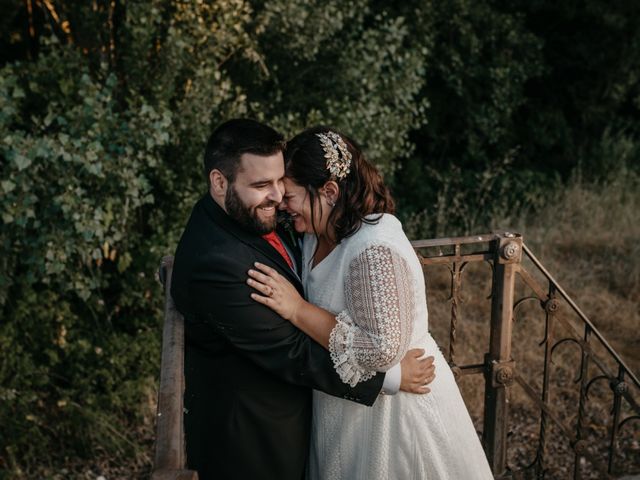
(417, 372)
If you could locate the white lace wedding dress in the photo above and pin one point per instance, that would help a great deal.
(374, 282)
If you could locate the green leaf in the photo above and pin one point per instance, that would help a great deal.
(7, 186)
(18, 93)
(21, 161)
(124, 261)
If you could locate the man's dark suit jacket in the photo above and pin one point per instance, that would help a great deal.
(248, 372)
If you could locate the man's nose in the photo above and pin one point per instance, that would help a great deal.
(275, 195)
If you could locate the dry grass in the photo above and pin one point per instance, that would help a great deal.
(587, 237)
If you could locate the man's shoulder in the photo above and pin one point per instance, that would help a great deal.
(206, 245)
(202, 247)
(203, 230)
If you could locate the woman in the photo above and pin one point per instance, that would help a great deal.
(367, 306)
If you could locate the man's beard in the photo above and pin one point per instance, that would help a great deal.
(245, 217)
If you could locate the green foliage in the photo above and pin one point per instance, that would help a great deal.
(95, 187)
(103, 129)
(520, 93)
(467, 154)
(469, 201)
(359, 69)
(482, 58)
(79, 328)
(591, 80)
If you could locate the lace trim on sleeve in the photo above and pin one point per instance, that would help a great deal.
(374, 331)
(343, 356)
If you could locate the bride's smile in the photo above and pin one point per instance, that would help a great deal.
(297, 203)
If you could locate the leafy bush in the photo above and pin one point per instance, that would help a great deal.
(103, 130)
(79, 331)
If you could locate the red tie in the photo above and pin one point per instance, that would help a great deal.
(275, 242)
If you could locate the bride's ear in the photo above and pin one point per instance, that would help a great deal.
(331, 191)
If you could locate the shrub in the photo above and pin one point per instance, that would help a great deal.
(103, 129)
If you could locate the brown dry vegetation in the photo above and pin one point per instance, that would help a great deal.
(587, 238)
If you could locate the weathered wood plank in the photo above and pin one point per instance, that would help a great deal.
(170, 457)
(174, 475)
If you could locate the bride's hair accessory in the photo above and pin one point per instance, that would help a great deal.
(336, 153)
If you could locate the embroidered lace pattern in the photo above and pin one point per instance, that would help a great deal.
(374, 331)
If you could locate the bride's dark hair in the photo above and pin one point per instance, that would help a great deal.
(362, 191)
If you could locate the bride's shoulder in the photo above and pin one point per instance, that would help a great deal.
(382, 237)
(381, 226)
(377, 229)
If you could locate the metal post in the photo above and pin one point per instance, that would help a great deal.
(499, 366)
(619, 387)
(551, 306)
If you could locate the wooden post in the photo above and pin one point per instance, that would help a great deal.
(170, 456)
(499, 366)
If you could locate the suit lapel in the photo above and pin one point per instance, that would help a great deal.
(251, 239)
(266, 249)
(291, 239)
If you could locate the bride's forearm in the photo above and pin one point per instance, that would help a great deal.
(315, 322)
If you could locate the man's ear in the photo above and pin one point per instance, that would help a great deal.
(331, 191)
(218, 182)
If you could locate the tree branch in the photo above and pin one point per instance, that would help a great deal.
(63, 25)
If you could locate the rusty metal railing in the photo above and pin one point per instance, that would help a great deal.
(594, 455)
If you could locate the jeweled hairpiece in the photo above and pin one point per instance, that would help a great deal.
(336, 153)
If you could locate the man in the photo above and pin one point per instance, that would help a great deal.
(248, 372)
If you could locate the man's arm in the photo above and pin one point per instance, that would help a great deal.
(219, 295)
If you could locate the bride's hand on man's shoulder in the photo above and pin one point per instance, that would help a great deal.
(417, 372)
(274, 291)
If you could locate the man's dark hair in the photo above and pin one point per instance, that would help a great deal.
(234, 137)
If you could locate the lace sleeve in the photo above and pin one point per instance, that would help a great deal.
(373, 332)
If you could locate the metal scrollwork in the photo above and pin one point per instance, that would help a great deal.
(568, 340)
(552, 305)
(505, 376)
(580, 447)
(592, 382)
(619, 388)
